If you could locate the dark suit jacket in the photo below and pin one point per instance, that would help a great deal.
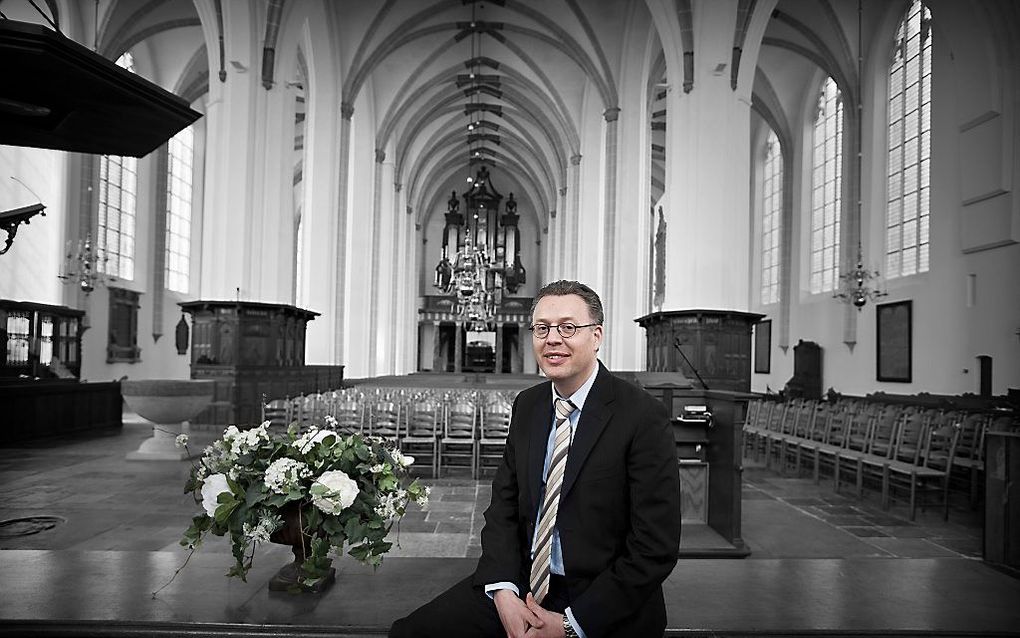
(619, 513)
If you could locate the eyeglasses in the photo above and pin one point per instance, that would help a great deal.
(566, 330)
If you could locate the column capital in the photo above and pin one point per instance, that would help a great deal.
(346, 110)
(575, 159)
(380, 155)
(409, 210)
(397, 186)
(563, 191)
(611, 114)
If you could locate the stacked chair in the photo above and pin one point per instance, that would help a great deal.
(910, 450)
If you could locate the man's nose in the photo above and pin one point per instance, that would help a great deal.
(554, 336)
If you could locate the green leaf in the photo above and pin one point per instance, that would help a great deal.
(353, 529)
(358, 552)
(225, 509)
(331, 525)
(276, 501)
(256, 493)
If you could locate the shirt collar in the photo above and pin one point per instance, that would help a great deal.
(581, 394)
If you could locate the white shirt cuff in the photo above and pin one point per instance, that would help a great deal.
(492, 588)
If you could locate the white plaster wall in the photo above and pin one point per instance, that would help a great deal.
(28, 271)
(951, 326)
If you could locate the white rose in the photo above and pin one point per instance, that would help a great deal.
(341, 490)
(212, 487)
(401, 459)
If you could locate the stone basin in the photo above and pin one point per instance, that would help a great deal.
(168, 404)
(168, 400)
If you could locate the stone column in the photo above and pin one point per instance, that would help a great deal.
(528, 363)
(611, 115)
(381, 267)
(458, 346)
(708, 177)
(235, 109)
(499, 349)
(346, 113)
(438, 363)
(571, 247)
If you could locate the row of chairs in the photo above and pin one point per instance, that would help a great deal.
(899, 446)
(448, 427)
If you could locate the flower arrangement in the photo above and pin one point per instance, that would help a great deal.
(339, 490)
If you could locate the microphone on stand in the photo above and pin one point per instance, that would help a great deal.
(676, 344)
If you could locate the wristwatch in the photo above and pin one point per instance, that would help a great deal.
(568, 629)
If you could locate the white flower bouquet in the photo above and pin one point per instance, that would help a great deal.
(338, 490)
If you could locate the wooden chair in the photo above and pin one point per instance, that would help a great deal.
(750, 426)
(884, 431)
(277, 412)
(306, 411)
(969, 459)
(796, 430)
(350, 416)
(813, 434)
(931, 471)
(756, 425)
(422, 432)
(493, 432)
(856, 444)
(460, 440)
(384, 421)
(833, 440)
(776, 430)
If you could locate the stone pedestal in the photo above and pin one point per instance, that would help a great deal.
(716, 344)
(167, 403)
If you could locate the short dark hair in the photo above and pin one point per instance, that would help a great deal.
(568, 287)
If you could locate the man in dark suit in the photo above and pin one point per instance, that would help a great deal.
(584, 522)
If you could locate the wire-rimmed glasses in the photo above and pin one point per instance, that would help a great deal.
(565, 330)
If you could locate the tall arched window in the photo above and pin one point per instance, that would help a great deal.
(771, 218)
(178, 210)
(907, 216)
(298, 187)
(826, 187)
(116, 227)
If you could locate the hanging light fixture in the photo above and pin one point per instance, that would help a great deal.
(480, 256)
(859, 285)
(81, 264)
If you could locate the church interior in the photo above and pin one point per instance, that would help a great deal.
(798, 214)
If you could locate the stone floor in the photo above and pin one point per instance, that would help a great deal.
(100, 501)
(75, 500)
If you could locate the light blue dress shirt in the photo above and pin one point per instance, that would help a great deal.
(556, 554)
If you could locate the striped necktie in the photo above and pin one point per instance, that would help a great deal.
(540, 573)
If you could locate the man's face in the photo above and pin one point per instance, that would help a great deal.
(567, 362)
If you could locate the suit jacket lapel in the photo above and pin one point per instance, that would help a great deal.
(594, 418)
(539, 419)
